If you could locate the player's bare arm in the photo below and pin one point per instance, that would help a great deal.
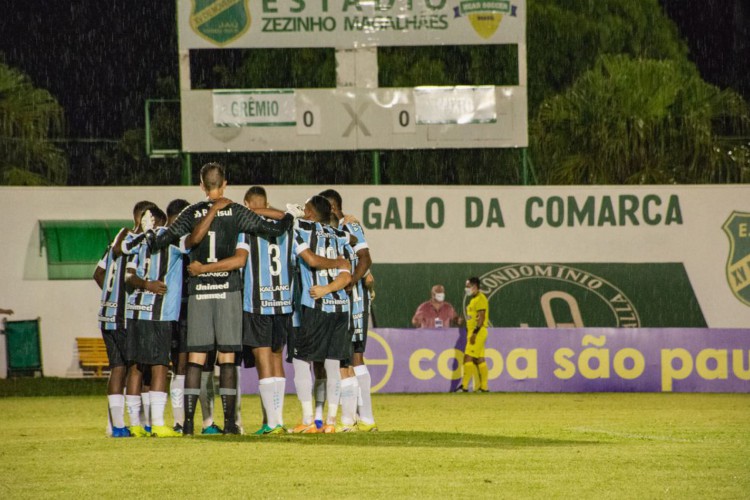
(316, 261)
(117, 245)
(157, 287)
(341, 282)
(236, 261)
(363, 264)
(350, 219)
(99, 274)
(269, 213)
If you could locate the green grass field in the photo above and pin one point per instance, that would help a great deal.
(430, 445)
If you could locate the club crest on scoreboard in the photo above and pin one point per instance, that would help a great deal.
(220, 21)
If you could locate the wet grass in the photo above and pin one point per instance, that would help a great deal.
(429, 445)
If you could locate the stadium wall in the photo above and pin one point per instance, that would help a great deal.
(584, 256)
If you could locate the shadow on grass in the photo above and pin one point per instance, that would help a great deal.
(422, 439)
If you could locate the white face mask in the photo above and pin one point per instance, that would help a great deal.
(469, 291)
(440, 297)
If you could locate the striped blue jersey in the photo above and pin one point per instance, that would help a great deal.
(112, 305)
(164, 265)
(297, 298)
(326, 242)
(269, 275)
(358, 289)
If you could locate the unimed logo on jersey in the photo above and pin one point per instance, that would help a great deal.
(737, 229)
(555, 296)
(220, 21)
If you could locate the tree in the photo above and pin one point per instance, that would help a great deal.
(28, 118)
(640, 121)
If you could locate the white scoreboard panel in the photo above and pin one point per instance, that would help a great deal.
(357, 114)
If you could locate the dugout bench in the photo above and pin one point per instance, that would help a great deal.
(92, 355)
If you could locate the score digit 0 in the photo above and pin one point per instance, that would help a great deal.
(403, 119)
(308, 121)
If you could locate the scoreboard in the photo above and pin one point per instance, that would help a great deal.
(357, 113)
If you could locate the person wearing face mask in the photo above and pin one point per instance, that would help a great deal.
(477, 313)
(436, 312)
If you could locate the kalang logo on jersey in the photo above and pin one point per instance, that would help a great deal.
(485, 15)
(737, 229)
(222, 274)
(275, 288)
(555, 296)
(220, 21)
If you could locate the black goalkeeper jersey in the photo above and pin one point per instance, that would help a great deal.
(220, 242)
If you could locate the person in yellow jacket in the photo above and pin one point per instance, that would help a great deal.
(477, 316)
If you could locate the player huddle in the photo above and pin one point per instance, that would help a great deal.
(258, 280)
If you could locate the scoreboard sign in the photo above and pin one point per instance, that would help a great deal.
(357, 113)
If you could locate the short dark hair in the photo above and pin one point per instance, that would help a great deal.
(141, 207)
(322, 207)
(160, 218)
(255, 191)
(475, 281)
(333, 195)
(212, 175)
(176, 206)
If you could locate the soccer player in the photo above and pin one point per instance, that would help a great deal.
(109, 275)
(324, 332)
(152, 311)
(360, 303)
(268, 293)
(215, 302)
(477, 313)
(178, 355)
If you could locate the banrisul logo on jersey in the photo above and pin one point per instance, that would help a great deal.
(737, 228)
(485, 15)
(220, 21)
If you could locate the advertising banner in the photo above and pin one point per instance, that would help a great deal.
(560, 360)
(349, 23)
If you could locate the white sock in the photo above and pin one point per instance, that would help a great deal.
(208, 393)
(117, 409)
(158, 403)
(303, 386)
(348, 400)
(279, 391)
(177, 393)
(146, 414)
(267, 387)
(320, 397)
(365, 400)
(333, 388)
(134, 406)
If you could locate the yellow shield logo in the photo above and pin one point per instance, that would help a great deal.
(485, 15)
(485, 24)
